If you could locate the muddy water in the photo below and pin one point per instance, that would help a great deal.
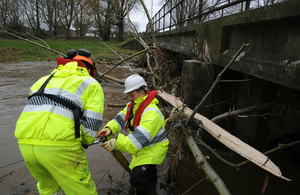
(15, 81)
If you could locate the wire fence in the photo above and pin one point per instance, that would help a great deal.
(174, 15)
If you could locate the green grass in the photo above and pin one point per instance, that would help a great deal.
(20, 50)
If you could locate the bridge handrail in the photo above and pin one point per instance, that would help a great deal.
(170, 17)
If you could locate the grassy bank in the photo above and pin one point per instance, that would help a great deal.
(20, 50)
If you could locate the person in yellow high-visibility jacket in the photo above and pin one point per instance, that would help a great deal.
(63, 113)
(147, 140)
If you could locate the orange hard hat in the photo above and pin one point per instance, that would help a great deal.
(84, 56)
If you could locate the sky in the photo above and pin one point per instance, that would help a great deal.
(139, 16)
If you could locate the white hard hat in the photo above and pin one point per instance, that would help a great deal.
(134, 82)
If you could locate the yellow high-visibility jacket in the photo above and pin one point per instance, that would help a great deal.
(48, 123)
(148, 143)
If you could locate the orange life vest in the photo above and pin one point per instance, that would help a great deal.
(138, 114)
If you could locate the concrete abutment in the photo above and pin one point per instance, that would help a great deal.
(268, 71)
(237, 91)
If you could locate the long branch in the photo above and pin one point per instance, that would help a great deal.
(152, 73)
(124, 60)
(198, 140)
(228, 139)
(62, 55)
(49, 49)
(143, 43)
(210, 172)
(150, 22)
(135, 33)
(244, 110)
(113, 51)
(215, 83)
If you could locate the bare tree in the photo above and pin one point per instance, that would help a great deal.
(31, 11)
(188, 9)
(120, 11)
(5, 11)
(50, 15)
(102, 14)
(261, 3)
(83, 19)
(99, 9)
(67, 15)
(15, 18)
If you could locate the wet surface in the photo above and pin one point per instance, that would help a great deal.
(15, 81)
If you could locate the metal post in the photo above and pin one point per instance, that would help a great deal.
(159, 21)
(170, 16)
(164, 19)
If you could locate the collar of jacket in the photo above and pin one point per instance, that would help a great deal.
(139, 101)
(70, 68)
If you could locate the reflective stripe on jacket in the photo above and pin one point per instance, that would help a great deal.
(148, 143)
(45, 122)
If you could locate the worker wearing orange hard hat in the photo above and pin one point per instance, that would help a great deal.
(64, 112)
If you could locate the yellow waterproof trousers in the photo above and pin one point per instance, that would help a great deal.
(59, 167)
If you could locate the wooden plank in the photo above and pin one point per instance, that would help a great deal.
(232, 142)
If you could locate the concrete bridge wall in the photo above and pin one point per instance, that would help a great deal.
(271, 66)
(273, 34)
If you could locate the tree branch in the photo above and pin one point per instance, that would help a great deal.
(204, 165)
(24, 39)
(124, 60)
(218, 118)
(228, 139)
(150, 22)
(278, 148)
(214, 84)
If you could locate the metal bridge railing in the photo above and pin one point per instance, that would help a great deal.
(186, 12)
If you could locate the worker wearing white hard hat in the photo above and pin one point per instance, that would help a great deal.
(147, 139)
(134, 82)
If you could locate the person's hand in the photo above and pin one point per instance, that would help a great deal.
(109, 145)
(107, 132)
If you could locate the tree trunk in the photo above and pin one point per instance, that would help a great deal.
(203, 164)
(120, 29)
(37, 18)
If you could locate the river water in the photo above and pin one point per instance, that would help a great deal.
(15, 80)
